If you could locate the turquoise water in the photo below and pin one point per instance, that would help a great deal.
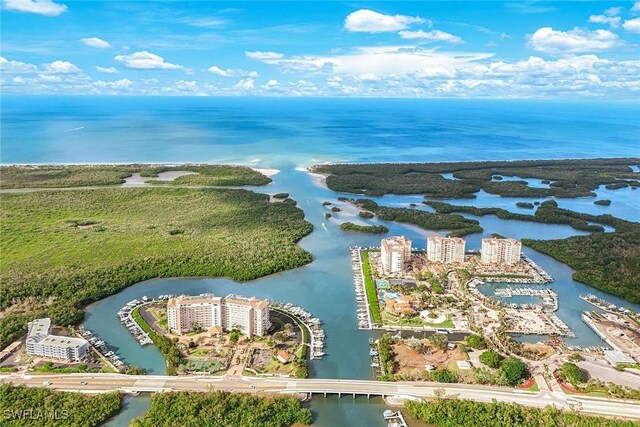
(289, 134)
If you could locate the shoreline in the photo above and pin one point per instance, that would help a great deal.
(265, 171)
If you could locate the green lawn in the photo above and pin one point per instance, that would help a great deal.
(62, 250)
(370, 286)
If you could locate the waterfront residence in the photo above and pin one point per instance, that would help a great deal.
(398, 304)
(40, 342)
(284, 357)
(249, 315)
(395, 252)
(500, 251)
(445, 249)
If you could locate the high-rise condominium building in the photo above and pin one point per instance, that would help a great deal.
(500, 251)
(395, 252)
(445, 249)
(249, 315)
(40, 342)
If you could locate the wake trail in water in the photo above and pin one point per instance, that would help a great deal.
(75, 129)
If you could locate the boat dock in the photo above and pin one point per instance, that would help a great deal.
(362, 302)
(100, 347)
(549, 297)
(313, 325)
(375, 358)
(394, 418)
(543, 276)
(126, 318)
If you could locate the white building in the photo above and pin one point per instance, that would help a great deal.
(500, 251)
(616, 357)
(445, 249)
(249, 315)
(40, 342)
(395, 252)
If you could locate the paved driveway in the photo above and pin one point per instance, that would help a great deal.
(609, 374)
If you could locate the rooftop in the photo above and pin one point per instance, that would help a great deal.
(616, 356)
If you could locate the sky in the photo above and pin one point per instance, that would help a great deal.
(436, 49)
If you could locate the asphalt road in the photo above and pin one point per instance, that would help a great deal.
(93, 383)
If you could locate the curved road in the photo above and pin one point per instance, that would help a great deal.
(160, 383)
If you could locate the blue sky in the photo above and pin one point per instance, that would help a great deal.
(379, 49)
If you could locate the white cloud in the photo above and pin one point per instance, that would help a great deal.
(613, 11)
(41, 7)
(632, 25)
(224, 73)
(271, 84)
(146, 61)
(16, 67)
(368, 77)
(205, 22)
(261, 56)
(186, 86)
(636, 7)
(368, 21)
(548, 40)
(433, 35)
(246, 85)
(380, 60)
(61, 67)
(107, 70)
(95, 42)
(116, 84)
(230, 72)
(614, 21)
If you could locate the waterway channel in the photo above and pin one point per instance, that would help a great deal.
(325, 288)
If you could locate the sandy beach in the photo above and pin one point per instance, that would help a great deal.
(267, 172)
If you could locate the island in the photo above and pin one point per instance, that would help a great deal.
(567, 177)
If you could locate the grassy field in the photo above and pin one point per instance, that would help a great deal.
(370, 286)
(47, 176)
(62, 250)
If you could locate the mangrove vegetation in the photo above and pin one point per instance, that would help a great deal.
(62, 250)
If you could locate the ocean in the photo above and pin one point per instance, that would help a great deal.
(288, 132)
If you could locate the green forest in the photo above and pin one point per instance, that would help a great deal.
(220, 409)
(459, 225)
(375, 229)
(63, 249)
(607, 261)
(462, 412)
(48, 176)
(28, 406)
(568, 178)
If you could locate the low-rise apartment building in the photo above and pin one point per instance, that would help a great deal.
(40, 342)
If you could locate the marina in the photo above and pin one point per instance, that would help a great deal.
(362, 302)
(100, 347)
(549, 298)
(313, 325)
(126, 318)
(607, 306)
